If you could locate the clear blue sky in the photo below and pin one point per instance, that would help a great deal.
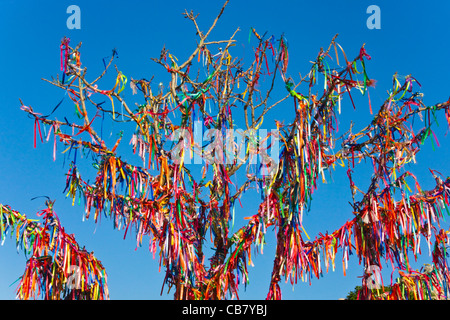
(413, 39)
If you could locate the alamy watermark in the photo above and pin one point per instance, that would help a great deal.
(374, 277)
(74, 278)
(226, 146)
(373, 21)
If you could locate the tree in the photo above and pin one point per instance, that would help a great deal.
(58, 268)
(181, 207)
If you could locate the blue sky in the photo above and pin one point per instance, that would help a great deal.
(412, 40)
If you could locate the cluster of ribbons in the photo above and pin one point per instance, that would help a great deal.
(57, 267)
(429, 283)
(163, 200)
